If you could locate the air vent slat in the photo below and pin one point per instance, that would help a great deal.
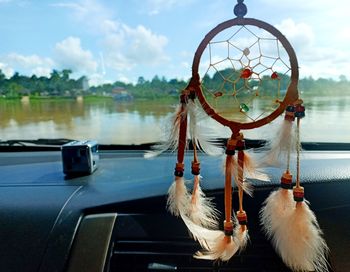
(130, 255)
(140, 244)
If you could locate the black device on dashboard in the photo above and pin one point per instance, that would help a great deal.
(80, 157)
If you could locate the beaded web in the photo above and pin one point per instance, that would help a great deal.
(245, 73)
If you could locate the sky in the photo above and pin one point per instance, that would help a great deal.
(122, 40)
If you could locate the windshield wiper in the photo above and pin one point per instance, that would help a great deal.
(33, 145)
(46, 142)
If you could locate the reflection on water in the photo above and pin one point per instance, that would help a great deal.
(144, 121)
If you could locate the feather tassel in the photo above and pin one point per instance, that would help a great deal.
(302, 247)
(178, 201)
(223, 250)
(235, 236)
(202, 210)
(288, 220)
(204, 236)
(276, 207)
(284, 142)
(223, 247)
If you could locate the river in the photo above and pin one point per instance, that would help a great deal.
(109, 122)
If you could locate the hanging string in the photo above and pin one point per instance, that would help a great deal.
(195, 168)
(298, 191)
(298, 154)
(241, 214)
(230, 152)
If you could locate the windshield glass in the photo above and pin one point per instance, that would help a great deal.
(113, 70)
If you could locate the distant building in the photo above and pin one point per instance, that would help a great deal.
(121, 94)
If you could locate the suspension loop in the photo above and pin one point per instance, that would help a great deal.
(240, 9)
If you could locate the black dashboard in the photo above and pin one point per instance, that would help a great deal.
(116, 220)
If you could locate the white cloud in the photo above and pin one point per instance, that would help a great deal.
(310, 5)
(6, 69)
(185, 65)
(97, 79)
(69, 54)
(146, 47)
(97, 17)
(79, 9)
(41, 71)
(124, 78)
(154, 7)
(31, 61)
(343, 33)
(129, 47)
(109, 26)
(300, 35)
(315, 59)
(123, 47)
(31, 64)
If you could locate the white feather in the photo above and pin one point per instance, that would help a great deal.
(298, 240)
(224, 247)
(171, 136)
(285, 141)
(252, 170)
(277, 206)
(199, 135)
(201, 234)
(233, 168)
(202, 210)
(178, 201)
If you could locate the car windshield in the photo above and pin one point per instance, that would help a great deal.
(113, 71)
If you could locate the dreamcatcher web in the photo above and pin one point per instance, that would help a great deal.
(245, 72)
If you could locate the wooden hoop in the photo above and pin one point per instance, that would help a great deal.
(292, 91)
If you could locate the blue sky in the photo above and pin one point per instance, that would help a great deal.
(122, 40)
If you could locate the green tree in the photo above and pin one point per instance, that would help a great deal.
(13, 90)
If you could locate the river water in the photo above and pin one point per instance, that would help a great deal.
(327, 120)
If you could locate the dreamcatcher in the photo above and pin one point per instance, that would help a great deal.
(245, 75)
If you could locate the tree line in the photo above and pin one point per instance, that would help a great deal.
(60, 83)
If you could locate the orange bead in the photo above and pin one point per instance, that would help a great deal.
(218, 94)
(275, 75)
(246, 73)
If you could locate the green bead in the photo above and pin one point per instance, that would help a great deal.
(243, 107)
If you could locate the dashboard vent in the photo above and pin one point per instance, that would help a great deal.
(154, 240)
(131, 255)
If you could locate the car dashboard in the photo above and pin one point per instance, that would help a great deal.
(116, 219)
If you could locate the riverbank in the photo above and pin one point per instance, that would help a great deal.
(88, 98)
